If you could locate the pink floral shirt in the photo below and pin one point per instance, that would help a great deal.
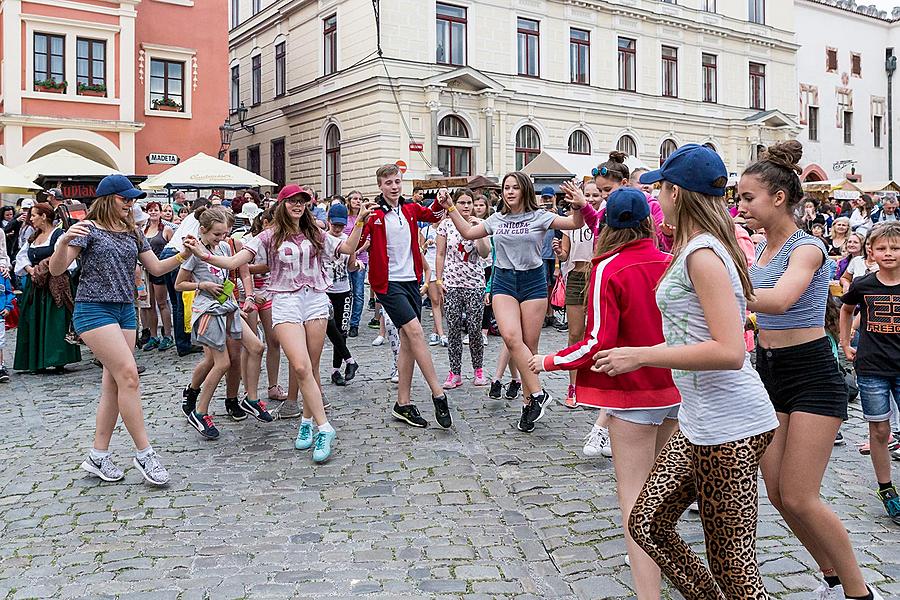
(294, 265)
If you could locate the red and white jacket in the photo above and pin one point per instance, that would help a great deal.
(622, 312)
(374, 230)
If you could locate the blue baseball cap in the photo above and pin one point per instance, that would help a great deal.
(120, 185)
(337, 214)
(626, 208)
(548, 192)
(692, 167)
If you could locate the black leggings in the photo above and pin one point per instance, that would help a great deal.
(488, 315)
(338, 326)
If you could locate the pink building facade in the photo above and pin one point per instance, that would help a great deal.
(115, 81)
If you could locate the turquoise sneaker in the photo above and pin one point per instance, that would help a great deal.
(323, 446)
(304, 439)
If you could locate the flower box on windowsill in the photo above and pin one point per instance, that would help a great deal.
(167, 108)
(50, 90)
(92, 93)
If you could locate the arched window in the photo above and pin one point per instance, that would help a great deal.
(453, 160)
(579, 143)
(711, 146)
(332, 160)
(528, 145)
(666, 149)
(627, 145)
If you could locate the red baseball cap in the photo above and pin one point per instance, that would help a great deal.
(293, 190)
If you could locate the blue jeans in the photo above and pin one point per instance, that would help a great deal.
(182, 339)
(358, 290)
(875, 392)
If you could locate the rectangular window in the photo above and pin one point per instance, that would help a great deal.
(708, 5)
(166, 84)
(278, 166)
(813, 123)
(49, 57)
(757, 11)
(330, 34)
(876, 130)
(451, 35)
(831, 60)
(253, 159)
(855, 64)
(670, 71)
(256, 79)
(848, 127)
(235, 13)
(280, 69)
(627, 64)
(710, 78)
(90, 65)
(257, 6)
(528, 35)
(235, 87)
(233, 157)
(580, 56)
(757, 86)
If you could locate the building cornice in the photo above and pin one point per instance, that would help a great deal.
(64, 123)
(881, 16)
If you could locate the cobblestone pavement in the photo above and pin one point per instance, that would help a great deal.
(479, 511)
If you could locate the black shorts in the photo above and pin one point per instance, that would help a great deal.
(402, 302)
(804, 378)
(156, 280)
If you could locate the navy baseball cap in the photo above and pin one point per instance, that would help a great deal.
(337, 214)
(626, 208)
(692, 167)
(548, 192)
(119, 185)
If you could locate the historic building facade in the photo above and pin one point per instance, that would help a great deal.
(843, 89)
(112, 80)
(482, 86)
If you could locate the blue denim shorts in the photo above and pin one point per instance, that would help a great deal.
(645, 416)
(521, 285)
(92, 315)
(875, 395)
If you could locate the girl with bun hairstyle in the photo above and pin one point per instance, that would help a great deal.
(791, 277)
(714, 458)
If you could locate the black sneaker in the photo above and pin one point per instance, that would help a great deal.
(513, 389)
(203, 424)
(409, 414)
(533, 411)
(4, 375)
(549, 321)
(374, 323)
(234, 410)
(350, 371)
(371, 303)
(143, 339)
(496, 389)
(526, 422)
(839, 439)
(194, 349)
(256, 409)
(442, 411)
(337, 378)
(354, 331)
(190, 400)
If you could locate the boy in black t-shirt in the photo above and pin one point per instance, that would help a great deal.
(877, 357)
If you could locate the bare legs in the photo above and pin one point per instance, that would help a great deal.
(520, 325)
(302, 344)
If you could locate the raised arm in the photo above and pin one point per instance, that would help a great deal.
(230, 263)
(351, 244)
(578, 201)
(64, 254)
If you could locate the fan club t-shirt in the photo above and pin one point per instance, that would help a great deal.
(879, 328)
(294, 265)
(519, 238)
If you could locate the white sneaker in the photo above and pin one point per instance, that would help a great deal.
(378, 341)
(152, 469)
(823, 592)
(596, 443)
(434, 340)
(484, 339)
(466, 340)
(694, 507)
(444, 341)
(395, 376)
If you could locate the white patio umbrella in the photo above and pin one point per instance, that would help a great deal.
(12, 182)
(63, 163)
(203, 171)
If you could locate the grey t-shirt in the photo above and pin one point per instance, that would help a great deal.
(518, 238)
(108, 262)
(203, 272)
(717, 407)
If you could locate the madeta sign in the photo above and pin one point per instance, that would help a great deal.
(162, 159)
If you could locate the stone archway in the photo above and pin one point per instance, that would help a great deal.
(85, 149)
(813, 172)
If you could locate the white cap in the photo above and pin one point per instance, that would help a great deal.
(249, 210)
(27, 203)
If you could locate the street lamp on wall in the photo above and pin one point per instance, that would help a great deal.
(242, 116)
(226, 132)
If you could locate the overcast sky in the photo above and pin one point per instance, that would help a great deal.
(882, 4)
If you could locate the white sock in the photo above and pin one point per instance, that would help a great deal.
(97, 455)
(305, 421)
(142, 454)
(326, 428)
(350, 361)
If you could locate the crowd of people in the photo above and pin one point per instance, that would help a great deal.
(638, 261)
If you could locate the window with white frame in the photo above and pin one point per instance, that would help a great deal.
(669, 71)
(627, 145)
(579, 143)
(49, 60)
(256, 79)
(169, 82)
(451, 34)
(235, 87)
(454, 160)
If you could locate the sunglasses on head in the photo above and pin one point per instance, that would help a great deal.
(600, 171)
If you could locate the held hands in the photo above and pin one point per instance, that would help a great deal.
(366, 209)
(536, 363)
(194, 246)
(618, 361)
(444, 199)
(574, 195)
(849, 352)
(214, 289)
(557, 248)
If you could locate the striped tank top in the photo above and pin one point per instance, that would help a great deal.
(809, 310)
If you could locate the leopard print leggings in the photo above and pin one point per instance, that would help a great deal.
(723, 478)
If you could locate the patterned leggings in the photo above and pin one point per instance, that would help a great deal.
(463, 308)
(723, 479)
(338, 325)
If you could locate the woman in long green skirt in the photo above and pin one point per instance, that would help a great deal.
(44, 308)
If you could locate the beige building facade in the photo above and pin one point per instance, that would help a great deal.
(482, 86)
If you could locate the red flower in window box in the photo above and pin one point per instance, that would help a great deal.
(50, 86)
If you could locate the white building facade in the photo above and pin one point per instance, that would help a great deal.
(482, 86)
(843, 90)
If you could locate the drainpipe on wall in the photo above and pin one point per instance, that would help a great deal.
(890, 65)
